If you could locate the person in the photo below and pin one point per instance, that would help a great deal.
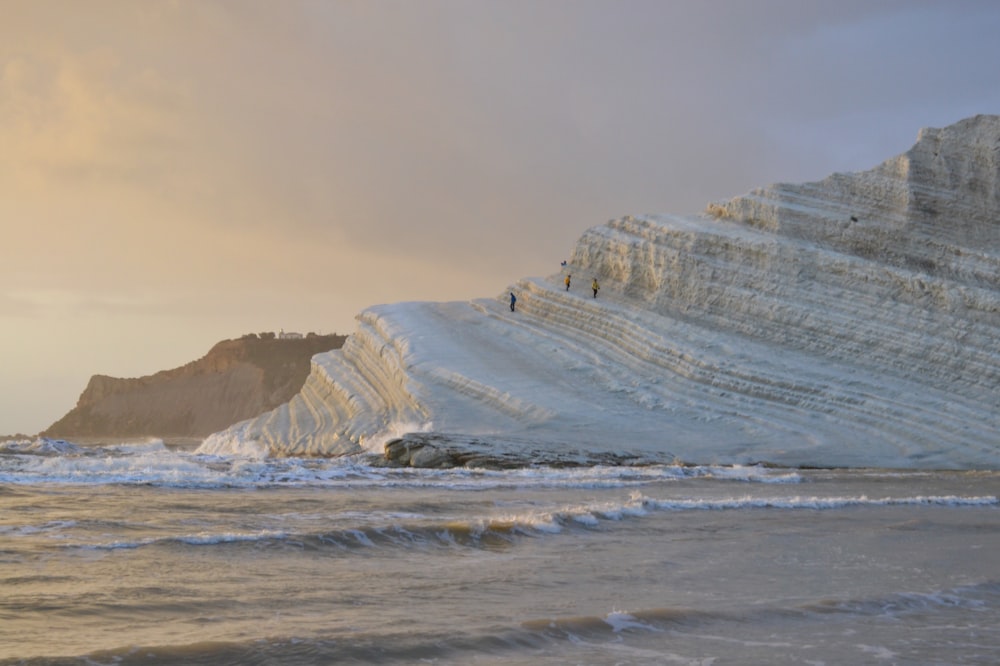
(563, 264)
(595, 287)
(567, 281)
(513, 300)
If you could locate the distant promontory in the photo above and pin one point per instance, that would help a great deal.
(236, 380)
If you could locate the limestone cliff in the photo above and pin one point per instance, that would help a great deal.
(236, 380)
(845, 322)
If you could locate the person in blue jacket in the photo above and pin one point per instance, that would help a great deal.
(513, 300)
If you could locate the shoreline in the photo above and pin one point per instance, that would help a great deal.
(437, 450)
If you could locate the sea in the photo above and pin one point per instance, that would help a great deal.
(150, 553)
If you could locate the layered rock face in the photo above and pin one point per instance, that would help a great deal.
(236, 380)
(852, 321)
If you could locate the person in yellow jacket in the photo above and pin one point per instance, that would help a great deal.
(568, 276)
(595, 287)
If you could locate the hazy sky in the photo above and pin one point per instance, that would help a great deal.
(174, 173)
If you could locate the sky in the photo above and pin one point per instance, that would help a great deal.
(178, 172)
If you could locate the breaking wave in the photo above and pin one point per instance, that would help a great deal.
(153, 463)
(350, 531)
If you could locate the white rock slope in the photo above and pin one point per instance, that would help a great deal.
(848, 322)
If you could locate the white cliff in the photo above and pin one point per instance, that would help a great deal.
(848, 322)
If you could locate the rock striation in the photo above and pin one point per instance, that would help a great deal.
(235, 380)
(847, 322)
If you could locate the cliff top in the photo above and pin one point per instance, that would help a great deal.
(237, 379)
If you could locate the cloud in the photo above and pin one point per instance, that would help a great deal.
(79, 119)
(213, 166)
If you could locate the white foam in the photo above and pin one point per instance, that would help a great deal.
(152, 445)
(638, 505)
(234, 442)
(200, 539)
(623, 620)
(151, 462)
(147, 462)
(209, 539)
(797, 502)
(879, 652)
(42, 446)
(53, 526)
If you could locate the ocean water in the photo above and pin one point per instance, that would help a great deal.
(149, 554)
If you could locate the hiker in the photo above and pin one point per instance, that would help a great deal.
(567, 281)
(595, 287)
(513, 300)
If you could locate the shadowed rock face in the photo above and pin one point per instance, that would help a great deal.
(236, 380)
(851, 321)
(432, 450)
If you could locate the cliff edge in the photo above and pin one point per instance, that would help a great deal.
(236, 380)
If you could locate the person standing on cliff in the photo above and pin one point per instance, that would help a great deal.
(567, 281)
(513, 300)
(595, 287)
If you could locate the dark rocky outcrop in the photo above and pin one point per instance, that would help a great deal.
(440, 450)
(236, 380)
